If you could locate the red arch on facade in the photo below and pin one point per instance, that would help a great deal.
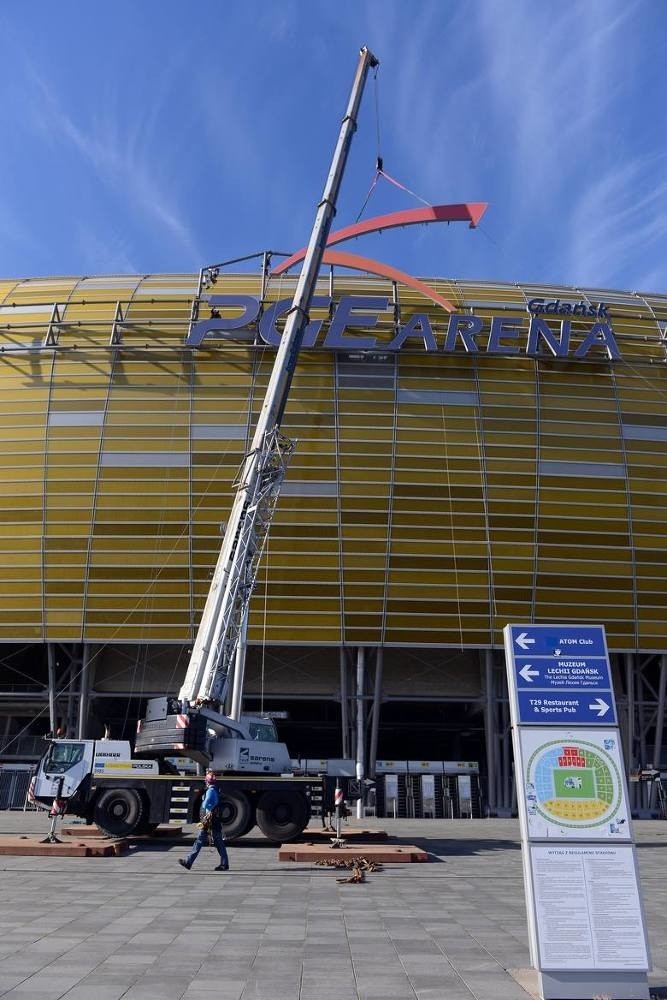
(470, 212)
(353, 260)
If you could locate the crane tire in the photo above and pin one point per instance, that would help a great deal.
(120, 811)
(282, 816)
(238, 815)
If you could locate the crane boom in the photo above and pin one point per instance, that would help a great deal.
(264, 467)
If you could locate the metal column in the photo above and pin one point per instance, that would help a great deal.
(239, 667)
(51, 658)
(630, 731)
(344, 706)
(659, 724)
(72, 696)
(490, 733)
(375, 720)
(643, 792)
(507, 758)
(360, 750)
(498, 740)
(84, 690)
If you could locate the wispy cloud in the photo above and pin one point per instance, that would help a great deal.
(14, 232)
(523, 104)
(107, 254)
(622, 218)
(126, 159)
(204, 138)
(550, 74)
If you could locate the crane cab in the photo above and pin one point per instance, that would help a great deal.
(65, 764)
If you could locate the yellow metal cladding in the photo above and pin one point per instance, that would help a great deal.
(433, 496)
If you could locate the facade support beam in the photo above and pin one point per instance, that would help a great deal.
(344, 705)
(507, 758)
(360, 748)
(643, 792)
(84, 688)
(51, 660)
(659, 726)
(497, 744)
(236, 701)
(375, 720)
(490, 733)
(70, 725)
(630, 730)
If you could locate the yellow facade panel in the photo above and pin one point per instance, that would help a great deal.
(654, 542)
(642, 461)
(347, 490)
(140, 632)
(442, 500)
(29, 616)
(348, 435)
(27, 631)
(359, 568)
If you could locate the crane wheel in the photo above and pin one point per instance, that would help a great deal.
(282, 816)
(238, 815)
(120, 811)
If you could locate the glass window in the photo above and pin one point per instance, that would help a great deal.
(264, 730)
(63, 756)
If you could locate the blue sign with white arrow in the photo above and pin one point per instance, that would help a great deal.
(574, 673)
(561, 674)
(549, 707)
(558, 640)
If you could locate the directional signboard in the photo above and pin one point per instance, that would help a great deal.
(574, 673)
(557, 640)
(583, 899)
(560, 674)
(563, 708)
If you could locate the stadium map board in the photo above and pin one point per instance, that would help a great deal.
(573, 786)
(580, 868)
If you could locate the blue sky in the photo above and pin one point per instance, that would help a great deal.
(154, 135)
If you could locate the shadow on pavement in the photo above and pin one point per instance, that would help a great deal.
(457, 848)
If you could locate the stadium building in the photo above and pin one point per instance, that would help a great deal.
(470, 455)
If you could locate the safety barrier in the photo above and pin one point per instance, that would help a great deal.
(14, 782)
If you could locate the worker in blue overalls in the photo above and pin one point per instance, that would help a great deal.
(211, 827)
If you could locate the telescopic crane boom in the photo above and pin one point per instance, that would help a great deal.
(265, 464)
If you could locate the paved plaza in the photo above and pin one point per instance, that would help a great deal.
(142, 928)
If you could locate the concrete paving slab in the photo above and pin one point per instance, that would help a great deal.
(387, 853)
(138, 927)
(347, 833)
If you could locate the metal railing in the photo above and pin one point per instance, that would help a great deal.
(22, 746)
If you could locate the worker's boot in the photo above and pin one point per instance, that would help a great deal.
(222, 868)
(184, 863)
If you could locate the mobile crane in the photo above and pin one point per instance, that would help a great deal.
(101, 780)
